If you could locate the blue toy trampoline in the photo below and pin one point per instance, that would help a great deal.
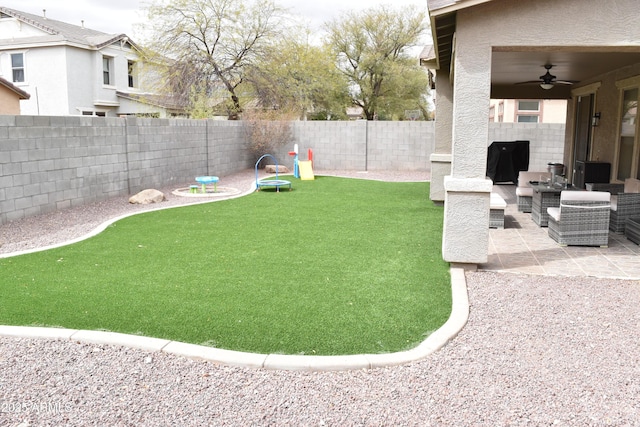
(277, 183)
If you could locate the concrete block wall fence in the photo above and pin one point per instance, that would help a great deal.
(52, 163)
(363, 145)
(546, 140)
(164, 152)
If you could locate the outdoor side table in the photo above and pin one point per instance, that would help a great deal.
(204, 180)
(543, 197)
(632, 230)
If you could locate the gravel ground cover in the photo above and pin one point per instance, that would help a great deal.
(537, 350)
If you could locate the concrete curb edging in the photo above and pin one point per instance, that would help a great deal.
(438, 339)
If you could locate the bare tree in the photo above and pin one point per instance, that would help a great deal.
(209, 44)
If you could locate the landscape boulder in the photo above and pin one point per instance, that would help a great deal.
(272, 169)
(146, 197)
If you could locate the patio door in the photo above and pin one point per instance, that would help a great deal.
(582, 139)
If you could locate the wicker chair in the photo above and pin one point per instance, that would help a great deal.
(582, 219)
(524, 192)
(611, 187)
(625, 205)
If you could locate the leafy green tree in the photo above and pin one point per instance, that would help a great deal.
(372, 50)
(209, 45)
(407, 83)
(294, 75)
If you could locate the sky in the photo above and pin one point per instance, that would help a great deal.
(119, 16)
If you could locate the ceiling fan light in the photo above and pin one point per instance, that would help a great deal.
(546, 86)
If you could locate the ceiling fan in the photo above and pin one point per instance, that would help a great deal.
(548, 80)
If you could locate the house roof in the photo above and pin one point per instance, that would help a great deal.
(443, 28)
(164, 101)
(58, 32)
(21, 93)
(427, 55)
(448, 6)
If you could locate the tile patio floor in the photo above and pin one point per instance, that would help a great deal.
(524, 247)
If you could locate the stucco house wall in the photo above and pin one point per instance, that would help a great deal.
(42, 65)
(10, 97)
(604, 138)
(9, 101)
(81, 74)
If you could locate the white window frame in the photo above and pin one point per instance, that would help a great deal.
(132, 73)
(94, 113)
(14, 69)
(625, 85)
(108, 73)
(528, 113)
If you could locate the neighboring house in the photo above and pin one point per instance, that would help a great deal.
(355, 113)
(502, 49)
(73, 70)
(528, 111)
(10, 96)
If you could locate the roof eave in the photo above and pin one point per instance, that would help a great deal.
(21, 93)
(441, 13)
(454, 6)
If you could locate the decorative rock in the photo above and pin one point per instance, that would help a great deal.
(146, 197)
(272, 169)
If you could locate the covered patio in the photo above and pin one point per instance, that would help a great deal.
(585, 51)
(524, 247)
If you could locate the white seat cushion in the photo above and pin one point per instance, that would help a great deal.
(585, 196)
(554, 213)
(524, 191)
(614, 203)
(497, 202)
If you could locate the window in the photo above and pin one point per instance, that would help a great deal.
(94, 113)
(528, 111)
(527, 119)
(131, 72)
(628, 132)
(107, 66)
(17, 67)
(528, 105)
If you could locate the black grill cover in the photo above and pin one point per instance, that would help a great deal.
(505, 159)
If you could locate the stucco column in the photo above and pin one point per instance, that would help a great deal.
(467, 190)
(441, 156)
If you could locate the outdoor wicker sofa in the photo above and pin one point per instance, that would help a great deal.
(582, 219)
(524, 192)
(611, 187)
(625, 205)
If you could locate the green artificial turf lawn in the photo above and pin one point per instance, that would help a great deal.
(336, 266)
